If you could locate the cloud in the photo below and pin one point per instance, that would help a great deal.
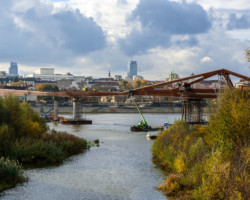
(122, 2)
(188, 41)
(224, 4)
(79, 34)
(206, 59)
(38, 34)
(242, 22)
(84, 37)
(163, 19)
(172, 17)
(138, 42)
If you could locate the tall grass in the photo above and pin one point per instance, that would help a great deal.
(52, 148)
(10, 173)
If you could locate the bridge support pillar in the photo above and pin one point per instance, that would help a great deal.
(76, 109)
(192, 111)
(55, 110)
(41, 110)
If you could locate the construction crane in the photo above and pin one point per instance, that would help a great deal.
(142, 124)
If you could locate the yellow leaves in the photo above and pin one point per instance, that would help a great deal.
(34, 129)
(199, 130)
(3, 131)
(213, 160)
(18, 84)
(125, 85)
(180, 163)
(171, 185)
(231, 124)
(217, 181)
(39, 87)
(139, 83)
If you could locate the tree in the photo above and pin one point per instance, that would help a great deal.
(139, 83)
(15, 79)
(125, 85)
(47, 88)
(230, 124)
(21, 120)
(19, 83)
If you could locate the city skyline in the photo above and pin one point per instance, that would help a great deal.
(89, 38)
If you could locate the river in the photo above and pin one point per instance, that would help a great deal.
(120, 168)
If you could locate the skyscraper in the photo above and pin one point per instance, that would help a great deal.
(132, 68)
(13, 70)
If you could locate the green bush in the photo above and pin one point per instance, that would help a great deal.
(70, 144)
(24, 137)
(21, 120)
(10, 173)
(36, 151)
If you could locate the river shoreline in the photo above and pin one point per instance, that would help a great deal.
(120, 168)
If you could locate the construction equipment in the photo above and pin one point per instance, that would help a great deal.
(45, 116)
(142, 125)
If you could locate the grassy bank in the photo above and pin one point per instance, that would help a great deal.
(10, 173)
(208, 162)
(26, 139)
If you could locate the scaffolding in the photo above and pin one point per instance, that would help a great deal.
(192, 110)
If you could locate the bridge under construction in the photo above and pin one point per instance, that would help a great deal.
(193, 98)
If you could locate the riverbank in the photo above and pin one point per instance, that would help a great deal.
(25, 139)
(208, 162)
(11, 174)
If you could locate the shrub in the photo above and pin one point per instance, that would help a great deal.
(171, 185)
(216, 179)
(70, 144)
(212, 162)
(21, 120)
(180, 163)
(10, 173)
(38, 152)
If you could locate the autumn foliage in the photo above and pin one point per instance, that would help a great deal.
(26, 139)
(209, 162)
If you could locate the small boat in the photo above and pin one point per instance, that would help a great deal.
(151, 136)
(145, 129)
(72, 121)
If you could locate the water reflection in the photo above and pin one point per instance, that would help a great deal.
(120, 168)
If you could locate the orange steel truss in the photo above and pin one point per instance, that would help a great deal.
(182, 90)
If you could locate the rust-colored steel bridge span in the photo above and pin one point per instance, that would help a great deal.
(193, 97)
(182, 90)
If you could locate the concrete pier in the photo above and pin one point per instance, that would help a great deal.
(76, 109)
(55, 110)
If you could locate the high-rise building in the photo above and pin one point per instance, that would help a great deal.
(132, 68)
(13, 70)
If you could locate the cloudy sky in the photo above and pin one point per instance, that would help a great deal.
(90, 37)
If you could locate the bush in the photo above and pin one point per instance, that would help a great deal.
(21, 120)
(37, 152)
(70, 144)
(210, 162)
(24, 137)
(10, 173)
(171, 185)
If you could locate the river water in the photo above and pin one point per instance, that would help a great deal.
(120, 168)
